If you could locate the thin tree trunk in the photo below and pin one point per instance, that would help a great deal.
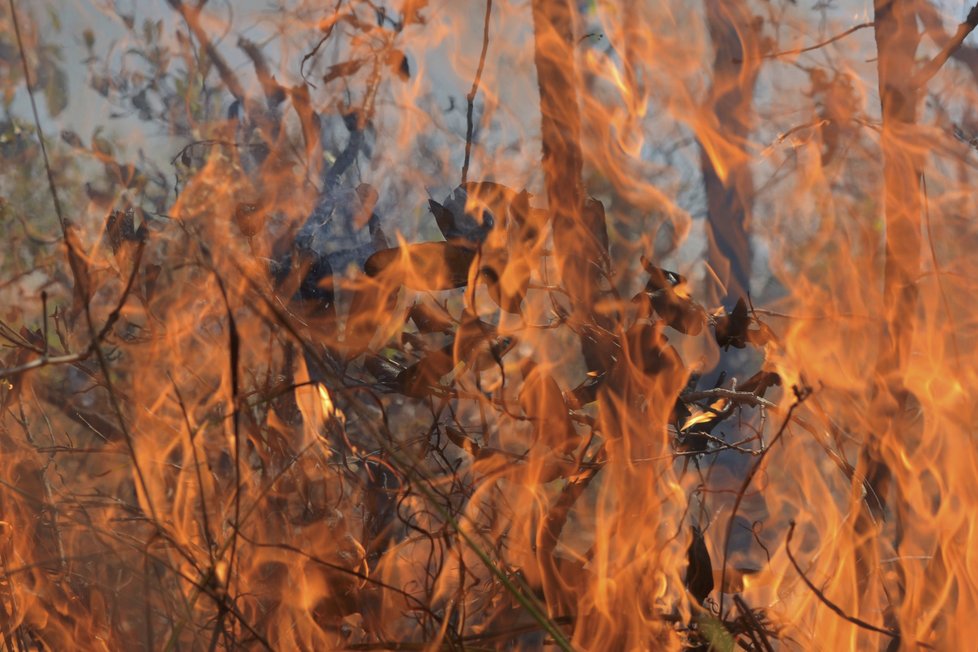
(897, 39)
(560, 129)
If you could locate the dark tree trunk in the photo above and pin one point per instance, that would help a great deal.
(728, 182)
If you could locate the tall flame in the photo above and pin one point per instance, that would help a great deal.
(606, 325)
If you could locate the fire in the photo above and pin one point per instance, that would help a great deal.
(603, 325)
(329, 409)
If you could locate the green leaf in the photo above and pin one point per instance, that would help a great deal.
(715, 633)
(55, 87)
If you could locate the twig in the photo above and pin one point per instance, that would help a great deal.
(40, 133)
(787, 53)
(731, 395)
(80, 274)
(470, 98)
(755, 627)
(44, 361)
(200, 480)
(117, 311)
(831, 605)
(234, 348)
(800, 395)
(322, 41)
(191, 15)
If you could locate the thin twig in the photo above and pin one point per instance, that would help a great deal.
(234, 346)
(80, 274)
(470, 98)
(800, 395)
(44, 361)
(788, 53)
(831, 605)
(756, 627)
(191, 15)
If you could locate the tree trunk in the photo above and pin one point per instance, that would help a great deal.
(897, 39)
(729, 185)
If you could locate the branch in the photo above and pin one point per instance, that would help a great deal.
(927, 72)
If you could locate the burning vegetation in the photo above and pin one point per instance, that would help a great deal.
(606, 325)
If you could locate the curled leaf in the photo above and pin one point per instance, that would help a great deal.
(699, 572)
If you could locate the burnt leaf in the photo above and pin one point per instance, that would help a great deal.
(398, 63)
(308, 118)
(343, 69)
(120, 228)
(426, 266)
(760, 382)
(529, 221)
(542, 401)
(248, 217)
(472, 211)
(600, 347)
(418, 379)
(665, 294)
(73, 139)
(463, 441)
(699, 573)
(586, 392)
(731, 329)
(371, 306)
(507, 279)
(477, 343)
(430, 320)
(382, 369)
(54, 82)
(457, 225)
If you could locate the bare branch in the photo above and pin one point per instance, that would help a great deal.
(731, 395)
(929, 69)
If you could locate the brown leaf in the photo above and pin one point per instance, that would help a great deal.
(399, 64)
(699, 572)
(665, 292)
(731, 329)
(343, 69)
(427, 266)
(418, 379)
(543, 402)
(429, 319)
